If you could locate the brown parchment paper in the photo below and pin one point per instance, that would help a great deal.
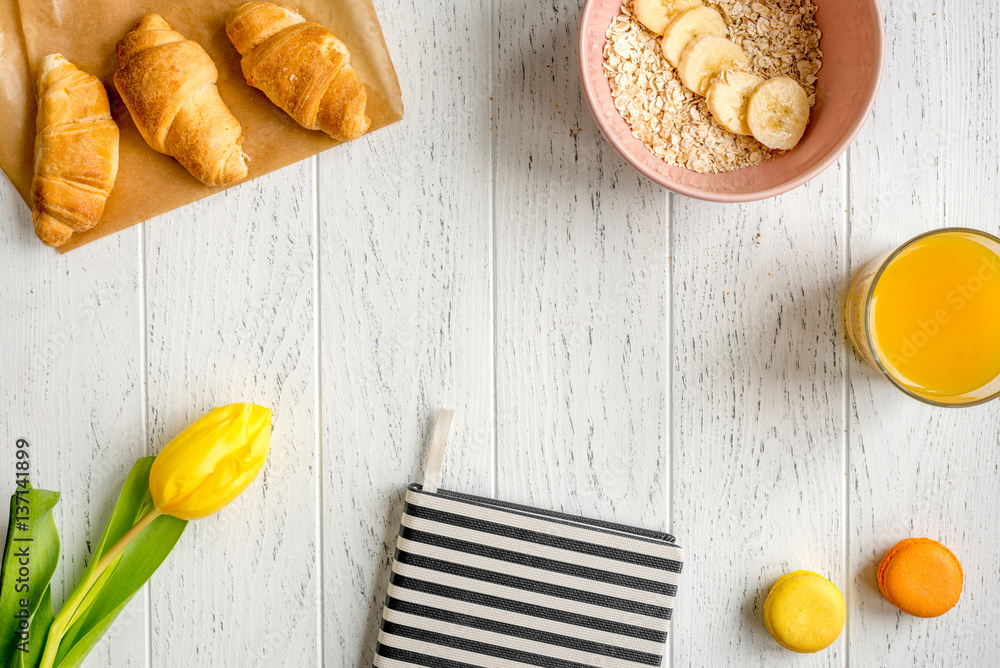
(149, 183)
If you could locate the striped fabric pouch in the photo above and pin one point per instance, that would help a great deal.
(481, 583)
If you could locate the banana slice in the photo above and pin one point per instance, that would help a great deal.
(778, 112)
(656, 15)
(705, 57)
(687, 26)
(727, 100)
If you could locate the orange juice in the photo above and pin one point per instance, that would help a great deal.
(933, 316)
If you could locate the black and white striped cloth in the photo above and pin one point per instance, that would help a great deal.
(482, 583)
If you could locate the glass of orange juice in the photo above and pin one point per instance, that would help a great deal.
(927, 315)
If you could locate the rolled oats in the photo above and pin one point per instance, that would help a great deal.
(674, 123)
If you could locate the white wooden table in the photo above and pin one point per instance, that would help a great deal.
(612, 350)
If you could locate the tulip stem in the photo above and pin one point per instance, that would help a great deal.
(68, 614)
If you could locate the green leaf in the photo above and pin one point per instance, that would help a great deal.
(32, 537)
(129, 507)
(128, 574)
(39, 632)
(137, 564)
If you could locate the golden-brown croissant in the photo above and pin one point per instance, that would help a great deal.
(168, 84)
(301, 67)
(76, 151)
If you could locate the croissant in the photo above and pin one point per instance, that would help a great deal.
(76, 151)
(168, 84)
(301, 67)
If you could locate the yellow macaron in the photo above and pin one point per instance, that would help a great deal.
(804, 612)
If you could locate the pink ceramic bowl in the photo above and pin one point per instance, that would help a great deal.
(853, 52)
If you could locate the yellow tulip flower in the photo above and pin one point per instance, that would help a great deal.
(198, 473)
(211, 462)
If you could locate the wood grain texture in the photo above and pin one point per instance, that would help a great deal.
(71, 377)
(759, 374)
(581, 302)
(612, 351)
(926, 160)
(405, 308)
(230, 302)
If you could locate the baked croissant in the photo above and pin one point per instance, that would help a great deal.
(301, 67)
(76, 151)
(168, 84)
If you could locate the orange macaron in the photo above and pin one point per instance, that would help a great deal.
(921, 577)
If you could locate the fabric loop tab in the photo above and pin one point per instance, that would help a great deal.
(435, 458)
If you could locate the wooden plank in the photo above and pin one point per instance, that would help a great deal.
(231, 317)
(71, 372)
(581, 290)
(759, 374)
(588, 393)
(405, 307)
(926, 160)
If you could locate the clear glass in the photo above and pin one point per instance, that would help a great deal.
(858, 316)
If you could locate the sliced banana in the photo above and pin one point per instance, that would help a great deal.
(778, 112)
(705, 57)
(688, 25)
(656, 15)
(727, 99)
